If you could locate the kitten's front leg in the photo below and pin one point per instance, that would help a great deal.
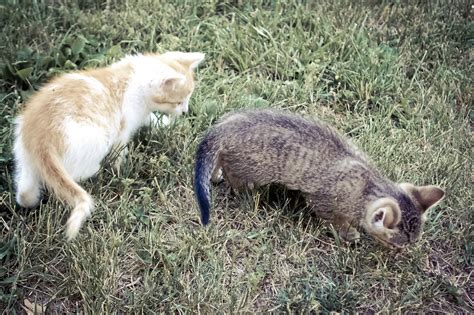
(348, 232)
(166, 120)
(154, 121)
(344, 229)
(340, 222)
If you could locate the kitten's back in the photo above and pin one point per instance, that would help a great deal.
(286, 145)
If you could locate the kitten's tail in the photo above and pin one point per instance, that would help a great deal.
(206, 160)
(56, 178)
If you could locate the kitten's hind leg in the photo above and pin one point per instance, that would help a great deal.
(238, 184)
(28, 184)
(217, 173)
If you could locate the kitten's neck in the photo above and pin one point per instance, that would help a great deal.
(361, 183)
(135, 107)
(126, 93)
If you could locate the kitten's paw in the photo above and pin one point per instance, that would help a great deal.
(161, 121)
(217, 176)
(28, 199)
(165, 120)
(349, 234)
(153, 121)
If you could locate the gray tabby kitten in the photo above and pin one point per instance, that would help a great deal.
(258, 147)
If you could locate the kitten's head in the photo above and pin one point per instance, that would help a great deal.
(173, 83)
(396, 222)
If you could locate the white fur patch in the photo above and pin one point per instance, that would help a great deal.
(217, 176)
(86, 146)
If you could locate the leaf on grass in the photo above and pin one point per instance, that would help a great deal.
(94, 60)
(256, 101)
(7, 248)
(78, 45)
(67, 51)
(24, 73)
(45, 61)
(210, 107)
(60, 59)
(9, 280)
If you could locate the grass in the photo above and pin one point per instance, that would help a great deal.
(395, 77)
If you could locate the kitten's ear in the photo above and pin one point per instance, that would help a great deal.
(426, 196)
(383, 214)
(188, 59)
(171, 79)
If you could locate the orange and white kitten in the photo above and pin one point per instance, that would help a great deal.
(69, 126)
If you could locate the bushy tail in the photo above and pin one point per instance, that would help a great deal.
(206, 159)
(56, 178)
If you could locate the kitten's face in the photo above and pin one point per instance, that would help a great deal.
(171, 93)
(399, 222)
(173, 96)
(407, 231)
